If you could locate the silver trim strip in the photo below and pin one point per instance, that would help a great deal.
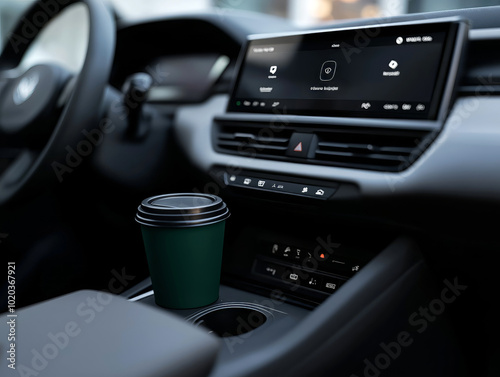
(484, 34)
(144, 295)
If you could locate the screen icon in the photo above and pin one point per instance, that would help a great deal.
(328, 69)
(247, 181)
(393, 64)
(273, 69)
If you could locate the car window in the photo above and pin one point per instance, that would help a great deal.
(10, 12)
(299, 12)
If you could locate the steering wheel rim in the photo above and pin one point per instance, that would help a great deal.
(29, 172)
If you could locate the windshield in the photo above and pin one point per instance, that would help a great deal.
(299, 12)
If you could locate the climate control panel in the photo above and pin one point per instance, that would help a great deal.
(322, 269)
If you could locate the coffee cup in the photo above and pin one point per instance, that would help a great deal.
(183, 237)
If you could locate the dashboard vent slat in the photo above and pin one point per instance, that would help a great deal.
(247, 140)
(374, 149)
(358, 147)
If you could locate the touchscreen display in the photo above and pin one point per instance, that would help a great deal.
(381, 72)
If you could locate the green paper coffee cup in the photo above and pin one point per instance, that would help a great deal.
(183, 236)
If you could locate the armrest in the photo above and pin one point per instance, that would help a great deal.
(91, 333)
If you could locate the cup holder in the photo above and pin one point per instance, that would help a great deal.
(230, 321)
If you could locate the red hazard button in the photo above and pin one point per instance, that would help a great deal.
(301, 145)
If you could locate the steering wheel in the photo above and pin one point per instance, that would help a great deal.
(35, 115)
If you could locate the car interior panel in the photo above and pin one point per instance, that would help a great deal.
(230, 194)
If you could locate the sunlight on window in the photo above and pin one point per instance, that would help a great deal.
(299, 12)
(321, 11)
(134, 9)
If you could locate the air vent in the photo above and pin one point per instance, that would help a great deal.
(252, 140)
(369, 148)
(373, 149)
(481, 76)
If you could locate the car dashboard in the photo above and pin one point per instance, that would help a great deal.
(359, 161)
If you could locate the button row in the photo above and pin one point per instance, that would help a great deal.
(327, 284)
(333, 263)
(298, 277)
(400, 107)
(310, 191)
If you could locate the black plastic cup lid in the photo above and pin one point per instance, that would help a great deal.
(181, 210)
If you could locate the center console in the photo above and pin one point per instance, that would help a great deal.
(326, 110)
(320, 129)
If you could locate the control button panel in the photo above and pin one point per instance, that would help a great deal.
(296, 277)
(322, 269)
(306, 259)
(310, 191)
(334, 263)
